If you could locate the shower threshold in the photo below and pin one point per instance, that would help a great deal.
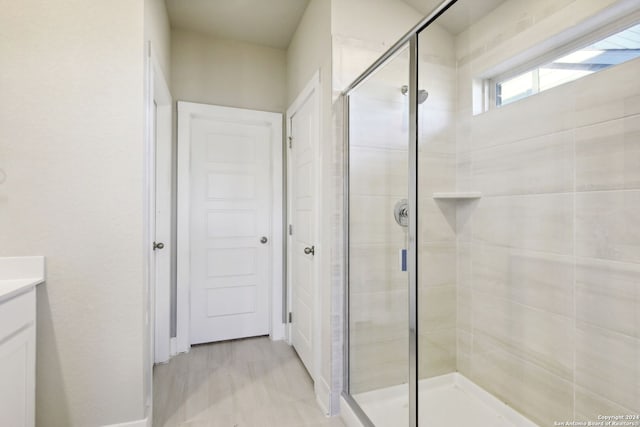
(450, 400)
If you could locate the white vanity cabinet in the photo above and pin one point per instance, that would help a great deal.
(18, 279)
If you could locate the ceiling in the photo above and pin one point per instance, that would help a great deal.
(273, 22)
(265, 22)
(460, 16)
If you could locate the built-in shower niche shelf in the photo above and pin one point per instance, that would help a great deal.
(458, 196)
(457, 207)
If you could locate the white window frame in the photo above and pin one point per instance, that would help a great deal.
(598, 34)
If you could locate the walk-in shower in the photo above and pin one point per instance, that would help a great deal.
(492, 198)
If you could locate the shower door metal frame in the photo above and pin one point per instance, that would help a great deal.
(410, 39)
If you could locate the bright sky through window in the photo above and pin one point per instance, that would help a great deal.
(613, 50)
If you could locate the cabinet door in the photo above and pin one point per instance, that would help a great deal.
(18, 361)
(17, 369)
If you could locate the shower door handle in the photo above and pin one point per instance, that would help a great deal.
(310, 250)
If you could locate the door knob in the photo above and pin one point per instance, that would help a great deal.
(310, 250)
(264, 240)
(158, 245)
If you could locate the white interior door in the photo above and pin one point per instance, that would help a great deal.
(302, 241)
(160, 209)
(230, 232)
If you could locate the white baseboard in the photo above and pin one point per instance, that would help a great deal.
(279, 332)
(323, 395)
(173, 347)
(146, 422)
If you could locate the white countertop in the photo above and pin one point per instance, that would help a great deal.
(20, 274)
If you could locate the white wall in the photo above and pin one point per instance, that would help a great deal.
(71, 137)
(310, 47)
(362, 31)
(157, 30)
(230, 73)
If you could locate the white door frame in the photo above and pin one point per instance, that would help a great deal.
(312, 89)
(160, 208)
(187, 111)
(156, 277)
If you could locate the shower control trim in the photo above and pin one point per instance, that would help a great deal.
(401, 213)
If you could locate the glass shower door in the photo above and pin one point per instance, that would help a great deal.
(378, 293)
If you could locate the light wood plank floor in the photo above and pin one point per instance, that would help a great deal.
(243, 383)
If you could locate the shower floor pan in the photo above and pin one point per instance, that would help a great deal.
(449, 400)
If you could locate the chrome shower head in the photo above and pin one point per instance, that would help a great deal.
(422, 94)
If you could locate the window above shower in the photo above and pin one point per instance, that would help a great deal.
(572, 64)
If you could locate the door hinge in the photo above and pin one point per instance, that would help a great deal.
(290, 317)
(290, 141)
(290, 230)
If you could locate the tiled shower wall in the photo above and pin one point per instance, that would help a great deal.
(548, 309)
(437, 219)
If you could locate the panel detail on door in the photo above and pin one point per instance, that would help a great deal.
(303, 212)
(231, 262)
(231, 186)
(231, 224)
(224, 148)
(231, 301)
(231, 210)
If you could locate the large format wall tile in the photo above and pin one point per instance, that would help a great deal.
(438, 223)
(632, 149)
(543, 114)
(548, 274)
(372, 221)
(607, 225)
(463, 352)
(378, 124)
(436, 172)
(600, 156)
(375, 268)
(379, 365)
(608, 363)
(379, 172)
(539, 222)
(608, 155)
(437, 131)
(437, 353)
(589, 406)
(531, 390)
(464, 178)
(464, 309)
(608, 295)
(465, 273)
(378, 308)
(440, 82)
(437, 308)
(538, 165)
(535, 279)
(378, 333)
(540, 337)
(605, 95)
(437, 265)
